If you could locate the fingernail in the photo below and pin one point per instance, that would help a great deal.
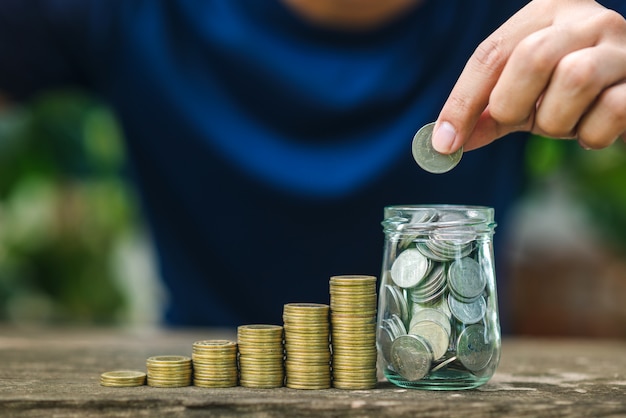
(584, 146)
(443, 137)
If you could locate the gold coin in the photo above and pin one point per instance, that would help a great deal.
(309, 341)
(169, 359)
(299, 306)
(123, 378)
(315, 386)
(248, 364)
(225, 357)
(169, 373)
(346, 336)
(123, 375)
(352, 295)
(244, 342)
(214, 355)
(214, 344)
(262, 385)
(260, 375)
(259, 329)
(155, 366)
(216, 376)
(351, 279)
(212, 377)
(213, 385)
(354, 386)
(261, 348)
(159, 384)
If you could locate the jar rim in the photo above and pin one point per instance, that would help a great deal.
(403, 217)
(438, 206)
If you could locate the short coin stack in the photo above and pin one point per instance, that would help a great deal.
(353, 321)
(169, 371)
(123, 378)
(215, 363)
(307, 345)
(261, 355)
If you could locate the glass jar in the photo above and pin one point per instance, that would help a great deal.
(438, 326)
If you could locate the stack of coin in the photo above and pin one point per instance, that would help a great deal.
(123, 378)
(261, 356)
(214, 363)
(169, 371)
(307, 346)
(353, 336)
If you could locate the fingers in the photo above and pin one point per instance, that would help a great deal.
(487, 130)
(605, 121)
(530, 69)
(556, 68)
(470, 95)
(578, 80)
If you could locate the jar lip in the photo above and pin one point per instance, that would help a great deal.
(419, 217)
(438, 206)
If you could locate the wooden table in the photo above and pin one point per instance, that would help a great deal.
(55, 372)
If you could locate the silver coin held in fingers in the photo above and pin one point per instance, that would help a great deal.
(427, 157)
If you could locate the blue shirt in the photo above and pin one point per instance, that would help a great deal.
(264, 148)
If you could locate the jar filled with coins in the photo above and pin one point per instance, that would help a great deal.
(438, 326)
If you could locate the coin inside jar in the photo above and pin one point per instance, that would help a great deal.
(411, 357)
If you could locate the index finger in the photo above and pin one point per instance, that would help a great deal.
(470, 96)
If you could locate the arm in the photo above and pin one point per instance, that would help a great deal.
(556, 68)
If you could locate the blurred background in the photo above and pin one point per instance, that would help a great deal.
(74, 250)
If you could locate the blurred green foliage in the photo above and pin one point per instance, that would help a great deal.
(595, 178)
(63, 206)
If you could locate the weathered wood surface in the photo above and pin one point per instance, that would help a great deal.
(45, 373)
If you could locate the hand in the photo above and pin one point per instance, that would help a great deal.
(556, 68)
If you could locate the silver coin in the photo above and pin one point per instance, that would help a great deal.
(474, 349)
(467, 313)
(440, 250)
(385, 340)
(431, 286)
(424, 216)
(430, 314)
(397, 326)
(440, 305)
(411, 357)
(426, 156)
(409, 268)
(465, 279)
(443, 364)
(397, 303)
(435, 335)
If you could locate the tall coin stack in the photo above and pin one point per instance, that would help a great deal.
(307, 346)
(353, 337)
(215, 363)
(261, 355)
(169, 371)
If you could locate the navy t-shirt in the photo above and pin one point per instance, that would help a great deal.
(264, 148)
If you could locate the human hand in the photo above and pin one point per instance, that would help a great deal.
(555, 68)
